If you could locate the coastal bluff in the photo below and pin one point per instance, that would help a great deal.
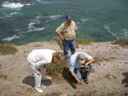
(109, 75)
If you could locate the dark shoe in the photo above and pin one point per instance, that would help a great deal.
(86, 80)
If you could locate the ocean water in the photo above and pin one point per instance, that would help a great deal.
(25, 21)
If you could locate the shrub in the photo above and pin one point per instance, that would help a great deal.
(7, 49)
(55, 68)
(77, 41)
(122, 42)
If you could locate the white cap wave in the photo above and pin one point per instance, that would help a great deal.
(13, 4)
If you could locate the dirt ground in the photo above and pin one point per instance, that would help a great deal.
(109, 74)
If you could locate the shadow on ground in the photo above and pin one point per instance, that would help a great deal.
(125, 80)
(70, 79)
(30, 80)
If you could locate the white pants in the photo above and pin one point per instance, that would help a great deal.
(35, 71)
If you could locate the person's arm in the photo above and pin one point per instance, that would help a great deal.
(75, 32)
(89, 62)
(39, 72)
(62, 38)
(43, 62)
(74, 75)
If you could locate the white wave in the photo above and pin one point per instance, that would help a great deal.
(84, 20)
(106, 26)
(48, 2)
(36, 29)
(43, 2)
(11, 38)
(12, 5)
(54, 17)
(13, 13)
(124, 32)
(5, 15)
(31, 27)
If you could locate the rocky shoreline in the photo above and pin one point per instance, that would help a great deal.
(110, 72)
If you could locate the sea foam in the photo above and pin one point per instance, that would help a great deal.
(12, 5)
(106, 26)
(11, 38)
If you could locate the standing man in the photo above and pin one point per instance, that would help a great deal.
(83, 61)
(68, 30)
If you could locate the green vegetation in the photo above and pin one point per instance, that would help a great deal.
(122, 41)
(56, 68)
(7, 49)
(95, 93)
(53, 94)
(91, 93)
(77, 41)
(83, 41)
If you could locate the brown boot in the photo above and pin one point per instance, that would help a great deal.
(86, 80)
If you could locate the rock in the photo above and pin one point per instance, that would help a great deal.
(110, 77)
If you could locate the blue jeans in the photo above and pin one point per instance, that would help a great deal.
(71, 45)
(86, 74)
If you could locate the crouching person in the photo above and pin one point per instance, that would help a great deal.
(81, 61)
(38, 59)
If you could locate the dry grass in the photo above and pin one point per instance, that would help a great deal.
(122, 42)
(7, 49)
(3, 76)
(77, 41)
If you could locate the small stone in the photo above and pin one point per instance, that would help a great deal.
(110, 77)
(79, 91)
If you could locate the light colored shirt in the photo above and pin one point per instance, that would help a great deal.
(68, 31)
(41, 56)
(73, 62)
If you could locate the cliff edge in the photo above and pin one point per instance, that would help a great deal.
(109, 75)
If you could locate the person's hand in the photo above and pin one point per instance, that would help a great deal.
(39, 72)
(79, 81)
(62, 38)
(85, 66)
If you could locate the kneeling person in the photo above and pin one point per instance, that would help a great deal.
(78, 60)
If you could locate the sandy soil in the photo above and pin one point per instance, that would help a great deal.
(109, 75)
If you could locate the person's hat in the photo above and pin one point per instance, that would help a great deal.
(68, 17)
(81, 58)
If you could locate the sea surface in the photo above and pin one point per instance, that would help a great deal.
(25, 21)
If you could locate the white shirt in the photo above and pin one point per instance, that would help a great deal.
(41, 56)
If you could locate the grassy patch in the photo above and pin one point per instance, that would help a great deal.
(56, 68)
(53, 94)
(122, 42)
(38, 45)
(77, 41)
(7, 49)
(91, 93)
(83, 41)
(60, 72)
